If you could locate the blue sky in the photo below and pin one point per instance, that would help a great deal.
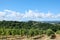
(49, 9)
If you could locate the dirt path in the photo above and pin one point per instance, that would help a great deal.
(30, 38)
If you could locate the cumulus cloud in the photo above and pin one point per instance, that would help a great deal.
(27, 15)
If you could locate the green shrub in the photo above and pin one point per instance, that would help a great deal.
(49, 32)
(31, 32)
(58, 32)
(23, 32)
(2, 32)
(34, 32)
(41, 32)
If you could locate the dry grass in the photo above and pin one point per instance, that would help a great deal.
(38, 37)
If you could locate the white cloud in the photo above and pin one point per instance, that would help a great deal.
(2, 14)
(28, 15)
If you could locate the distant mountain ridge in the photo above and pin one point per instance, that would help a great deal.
(57, 22)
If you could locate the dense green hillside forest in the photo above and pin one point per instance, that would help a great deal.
(29, 28)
